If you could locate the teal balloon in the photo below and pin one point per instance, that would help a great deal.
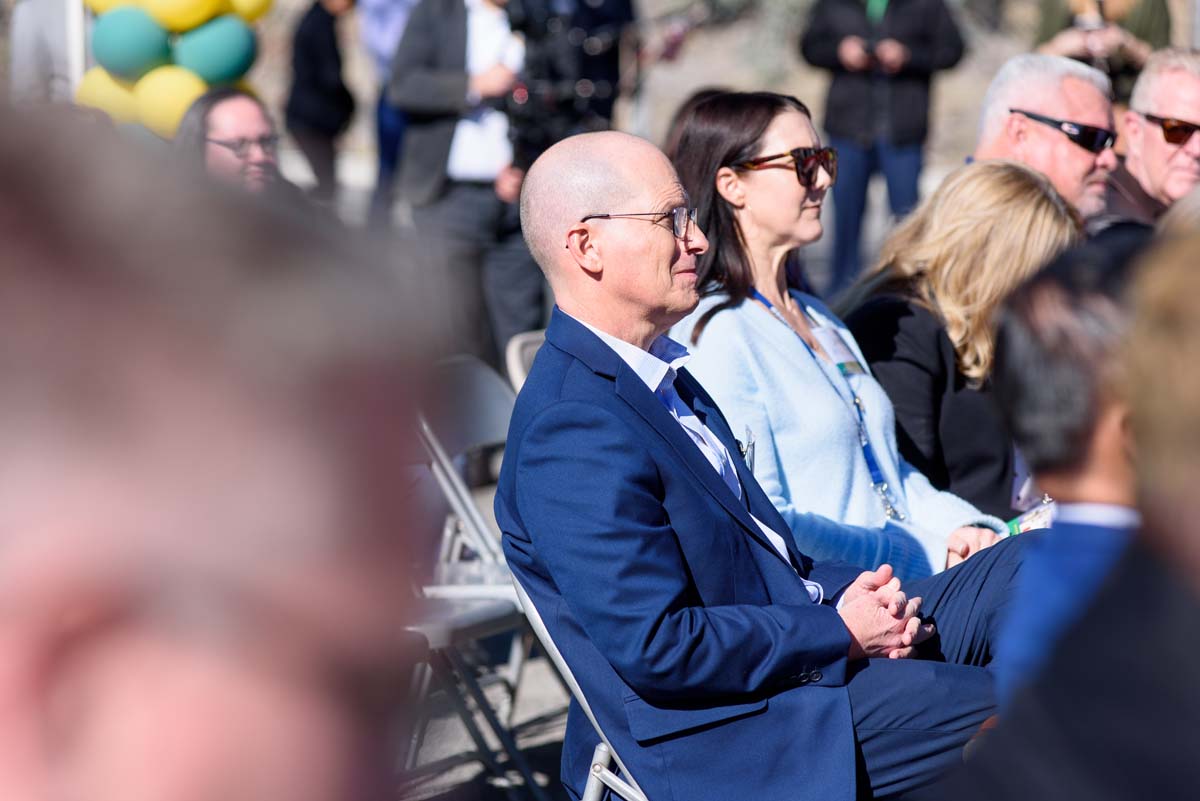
(220, 51)
(129, 43)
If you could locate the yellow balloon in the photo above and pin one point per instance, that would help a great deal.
(164, 96)
(249, 10)
(182, 15)
(115, 98)
(101, 6)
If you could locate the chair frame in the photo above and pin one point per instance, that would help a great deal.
(600, 775)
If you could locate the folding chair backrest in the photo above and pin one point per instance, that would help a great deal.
(543, 635)
(470, 407)
(519, 353)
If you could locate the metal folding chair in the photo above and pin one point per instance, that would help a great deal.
(601, 774)
(519, 353)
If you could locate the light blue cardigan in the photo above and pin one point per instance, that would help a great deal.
(807, 452)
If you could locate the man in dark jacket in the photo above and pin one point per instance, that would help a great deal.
(319, 106)
(882, 54)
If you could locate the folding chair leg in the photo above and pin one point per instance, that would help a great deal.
(445, 671)
(502, 734)
(422, 678)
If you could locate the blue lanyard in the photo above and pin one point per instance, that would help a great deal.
(878, 482)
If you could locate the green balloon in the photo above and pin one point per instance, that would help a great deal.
(220, 51)
(129, 43)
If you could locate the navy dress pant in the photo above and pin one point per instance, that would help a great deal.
(913, 716)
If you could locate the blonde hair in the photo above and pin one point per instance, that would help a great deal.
(987, 228)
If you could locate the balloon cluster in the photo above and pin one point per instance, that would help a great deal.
(157, 56)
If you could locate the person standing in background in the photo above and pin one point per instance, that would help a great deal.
(1114, 36)
(381, 26)
(883, 54)
(457, 63)
(319, 107)
(38, 62)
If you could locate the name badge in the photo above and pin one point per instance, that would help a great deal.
(836, 348)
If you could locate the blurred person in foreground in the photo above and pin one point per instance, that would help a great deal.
(784, 368)
(924, 318)
(1054, 115)
(1162, 149)
(882, 55)
(201, 577)
(1110, 717)
(1057, 380)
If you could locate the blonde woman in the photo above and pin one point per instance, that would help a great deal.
(924, 319)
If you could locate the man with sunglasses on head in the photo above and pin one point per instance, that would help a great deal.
(1054, 115)
(719, 661)
(1162, 160)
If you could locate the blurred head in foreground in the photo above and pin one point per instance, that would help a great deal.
(200, 404)
(1164, 390)
(1057, 377)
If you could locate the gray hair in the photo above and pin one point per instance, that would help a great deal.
(1161, 62)
(1031, 74)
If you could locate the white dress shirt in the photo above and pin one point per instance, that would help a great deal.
(1107, 515)
(657, 368)
(480, 147)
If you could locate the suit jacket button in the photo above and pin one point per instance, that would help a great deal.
(815, 676)
(802, 678)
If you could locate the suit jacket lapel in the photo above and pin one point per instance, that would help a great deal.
(757, 502)
(566, 334)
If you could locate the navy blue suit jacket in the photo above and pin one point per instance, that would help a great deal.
(1062, 573)
(704, 660)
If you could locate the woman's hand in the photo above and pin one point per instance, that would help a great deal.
(967, 541)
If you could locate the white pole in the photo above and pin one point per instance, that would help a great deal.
(76, 42)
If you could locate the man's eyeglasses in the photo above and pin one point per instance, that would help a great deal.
(681, 218)
(1089, 137)
(1176, 132)
(241, 147)
(807, 160)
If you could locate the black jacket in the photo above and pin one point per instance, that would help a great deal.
(319, 100)
(865, 106)
(950, 432)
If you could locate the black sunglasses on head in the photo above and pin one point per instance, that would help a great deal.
(1089, 137)
(1176, 132)
(807, 160)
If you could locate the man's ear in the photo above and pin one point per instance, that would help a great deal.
(1134, 128)
(729, 186)
(585, 249)
(1128, 441)
(1016, 130)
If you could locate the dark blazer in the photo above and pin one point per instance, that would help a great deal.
(1060, 576)
(319, 100)
(863, 105)
(695, 642)
(429, 82)
(950, 432)
(1113, 717)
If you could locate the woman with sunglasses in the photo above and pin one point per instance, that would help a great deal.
(925, 318)
(783, 368)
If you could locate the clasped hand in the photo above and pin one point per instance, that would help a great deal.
(881, 618)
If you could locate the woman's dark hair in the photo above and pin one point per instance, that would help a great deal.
(190, 137)
(724, 130)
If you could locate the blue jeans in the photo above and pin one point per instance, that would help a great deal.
(389, 138)
(901, 168)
